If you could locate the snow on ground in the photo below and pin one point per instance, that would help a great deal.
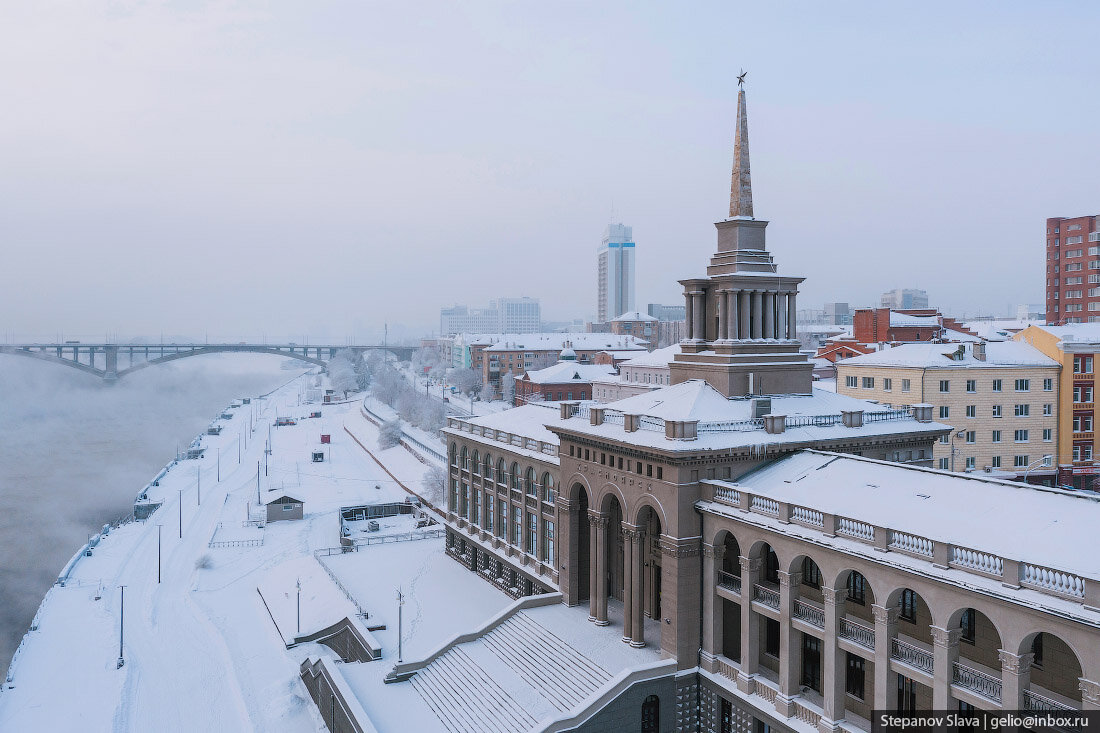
(203, 634)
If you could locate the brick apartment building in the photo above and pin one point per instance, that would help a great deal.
(877, 325)
(1073, 270)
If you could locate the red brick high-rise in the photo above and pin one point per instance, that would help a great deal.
(1073, 270)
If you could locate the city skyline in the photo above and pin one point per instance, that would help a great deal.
(943, 151)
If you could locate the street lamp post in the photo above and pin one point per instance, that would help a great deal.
(158, 552)
(181, 512)
(121, 624)
(299, 605)
(400, 603)
(1042, 461)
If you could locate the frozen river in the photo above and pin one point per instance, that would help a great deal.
(74, 453)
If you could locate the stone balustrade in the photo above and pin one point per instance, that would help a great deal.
(1011, 572)
(500, 436)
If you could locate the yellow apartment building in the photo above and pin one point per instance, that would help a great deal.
(1001, 398)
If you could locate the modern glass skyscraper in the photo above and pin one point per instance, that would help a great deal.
(615, 273)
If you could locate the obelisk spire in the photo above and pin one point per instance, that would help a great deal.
(741, 185)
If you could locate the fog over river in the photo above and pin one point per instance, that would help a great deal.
(75, 452)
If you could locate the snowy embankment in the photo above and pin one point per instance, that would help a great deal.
(200, 631)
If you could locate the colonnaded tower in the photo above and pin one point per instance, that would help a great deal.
(741, 334)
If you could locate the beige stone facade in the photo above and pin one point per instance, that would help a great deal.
(1005, 417)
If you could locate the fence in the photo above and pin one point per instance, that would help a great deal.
(336, 581)
(232, 543)
(434, 452)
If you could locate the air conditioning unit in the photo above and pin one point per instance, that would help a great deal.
(760, 406)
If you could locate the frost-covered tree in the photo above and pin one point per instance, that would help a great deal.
(508, 387)
(389, 435)
(435, 485)
(341, 370)
(466, 381)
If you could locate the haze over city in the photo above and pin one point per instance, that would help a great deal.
(291, 171)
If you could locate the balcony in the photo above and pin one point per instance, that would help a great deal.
(729, 581)
(981, 683)
(810, 613)
(911, 654)
(859, 634)
(1041, 703)
(768, 596)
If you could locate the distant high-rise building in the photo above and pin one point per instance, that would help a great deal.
(904, 298)
(837, 314)
(1072, 263)
(615, 273)
(667, 312)
(519, 315)
(506, 315)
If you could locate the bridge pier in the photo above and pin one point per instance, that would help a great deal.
(110, 366)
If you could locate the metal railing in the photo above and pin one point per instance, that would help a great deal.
(977, 681)
(857, 632)
(912, 655)
(768, 596)
(729, 581)
(1035, 701)
(809, 613)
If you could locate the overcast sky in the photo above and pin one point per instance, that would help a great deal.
(288, 168)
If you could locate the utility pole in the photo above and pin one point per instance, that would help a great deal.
(181, 513)
(299, 605)
(121, 624)
(198, 486)
(158, 552)
(258, 503)
(238, 449)
(400, 603)
(220, 462)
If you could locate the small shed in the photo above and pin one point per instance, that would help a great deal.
(318, 454)
(285, 507)
(326, 438)
(214, 430)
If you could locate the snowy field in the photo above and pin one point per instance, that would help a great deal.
(205, 633)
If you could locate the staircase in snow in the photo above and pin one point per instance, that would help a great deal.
(507, 680)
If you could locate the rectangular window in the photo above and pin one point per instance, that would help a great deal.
(517, 526)
(868, 382)
(1020, 436)
(945, 464)
(971, 385)
(995, 462)
(945, 439)
(502, 523)
(1023, 385)
(996, 436)
(945, 385)
(853, 683)
(1023, 410)
(1086, 452)
(811, 662)
(971, 410)
(851, 381)
(771, 637)
(660, 473)
(887, 384)
(489, 513)
(1082, 365)
(1020, 461)
(971, 436)
(532, 532)
(1048, 435)
(945, 411)
(905, 383)
(996, 385)
(996, 410)
(970, 461)
(1048, 409)
(546, 550)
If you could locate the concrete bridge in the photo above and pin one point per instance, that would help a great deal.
(111, 362)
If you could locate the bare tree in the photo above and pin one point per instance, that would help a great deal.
(389, 435)
(435, 485)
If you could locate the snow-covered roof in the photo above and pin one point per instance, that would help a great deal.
(527, 420)
(690, 400)
(1086, 332)
(999, 329)
(899, 320)
(999, 354)
(951, 334)
(558, 341)
(968, 510)
(635, 316)
(657, 358)
(569, 371)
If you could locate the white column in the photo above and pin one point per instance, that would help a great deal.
(886, 628)
(757, 314)
(833, 666)
(735, 314)
(945, 652)
(1015, 678)
(769, 314)
(745, 305)
(750, 627)
(712, 607)
(789, 660)
(699, 311)
(792, 316)
(723, 316)
(637, 627)
(689, 315)
(629, 530)
(781, 315)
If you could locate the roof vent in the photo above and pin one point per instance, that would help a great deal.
(979, 350)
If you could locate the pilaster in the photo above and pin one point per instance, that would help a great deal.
(1015, 678)
(945, 652)
(886, 628)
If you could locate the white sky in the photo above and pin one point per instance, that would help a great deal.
(287, 168)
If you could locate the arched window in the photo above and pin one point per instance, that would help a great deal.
(454, 454)
(857, 588)
(548, 487)
(529, 481)
(488, 466)
(502, 471)
(515, 476)
(651, 714)
(477, 462)
(771, 566)
(464, 456)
